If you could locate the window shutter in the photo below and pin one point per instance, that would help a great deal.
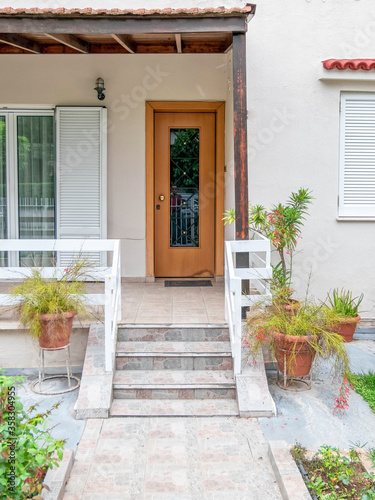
(357, 156)
(81, 189)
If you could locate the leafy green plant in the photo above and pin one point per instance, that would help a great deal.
(335, 476)
(364, 384)
(282, 224)
(311, 320)
(39, 295)
(281, 284)
(27, 448)
(343, 303)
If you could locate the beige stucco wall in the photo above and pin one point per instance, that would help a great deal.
(130, 80)
(20, 350)
(294, 130)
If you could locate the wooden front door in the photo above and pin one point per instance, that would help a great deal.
(184, 194)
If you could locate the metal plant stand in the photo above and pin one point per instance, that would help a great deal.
(293, 384)
(37, 385)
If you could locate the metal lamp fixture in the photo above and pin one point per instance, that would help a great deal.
(99, 87)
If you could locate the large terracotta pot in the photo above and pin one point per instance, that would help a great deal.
(56, 329)
(294, 355)
(346, 328)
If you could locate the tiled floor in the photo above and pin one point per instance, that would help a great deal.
(155, 303)
(172, 459)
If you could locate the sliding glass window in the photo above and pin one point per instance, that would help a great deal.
(3, 190)
(30, 170)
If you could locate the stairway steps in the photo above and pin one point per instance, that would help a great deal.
(173, 356)
(174, 370)
(173, 348)
(178, 377)
(170, 333)
(174, 408)
(168, 384)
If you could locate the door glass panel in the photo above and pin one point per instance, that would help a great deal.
(184, 187)
(3, 190)
(36, 184)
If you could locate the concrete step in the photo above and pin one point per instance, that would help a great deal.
(174, 408)
(173, 333)
(173, 356)
(168, 384)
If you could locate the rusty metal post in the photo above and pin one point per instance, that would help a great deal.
(240, 136)
(240, 152)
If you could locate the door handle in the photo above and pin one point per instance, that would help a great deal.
(161, 197)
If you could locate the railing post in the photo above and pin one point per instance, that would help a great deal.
(108, 325)
(237, 320)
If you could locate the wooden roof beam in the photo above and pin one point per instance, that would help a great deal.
(126, 42)
(178, 43)
(72, 42)
(20, 42)
(125, 26)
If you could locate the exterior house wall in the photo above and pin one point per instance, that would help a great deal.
(293, 127)
(293, 130)
(130, 80)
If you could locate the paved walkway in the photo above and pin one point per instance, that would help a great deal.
(172, 459)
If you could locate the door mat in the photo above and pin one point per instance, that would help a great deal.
(188, 283)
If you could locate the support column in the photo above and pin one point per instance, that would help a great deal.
(240, 136)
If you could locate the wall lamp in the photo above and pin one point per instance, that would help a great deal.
(99, 87)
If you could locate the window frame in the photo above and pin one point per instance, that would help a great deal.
(347, 212)
(11, 115)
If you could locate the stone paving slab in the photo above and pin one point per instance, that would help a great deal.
(173, 407)
(253, 396)
(289, 479)
(95, 393)
(178, 348)
(171, 377)
(177, 458)
(173, 333)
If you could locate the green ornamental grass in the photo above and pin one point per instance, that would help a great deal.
(343, 303)
(364, 384)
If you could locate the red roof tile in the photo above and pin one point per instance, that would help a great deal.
(249, 9)
(353, 64)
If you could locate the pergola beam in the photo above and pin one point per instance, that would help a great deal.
(20, 42)
(178, 43)
(125, 42)
(72, 42)
(240, 136)
(121, 25)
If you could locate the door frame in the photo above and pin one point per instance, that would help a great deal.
(218, 108)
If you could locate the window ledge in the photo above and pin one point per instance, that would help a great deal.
(355, 219)
(347, 74)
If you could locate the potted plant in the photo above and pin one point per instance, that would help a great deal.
(47, 306)
(294, 340)
(345, 307)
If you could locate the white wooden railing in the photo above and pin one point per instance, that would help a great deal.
(257, 275)
(111, 299)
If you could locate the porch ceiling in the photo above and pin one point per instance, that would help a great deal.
(88, 31)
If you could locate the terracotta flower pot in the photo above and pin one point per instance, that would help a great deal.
(56, 329)
(347, 328)
(294, 354)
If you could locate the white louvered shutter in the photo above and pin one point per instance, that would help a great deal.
(357, 155)
(81, 152)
